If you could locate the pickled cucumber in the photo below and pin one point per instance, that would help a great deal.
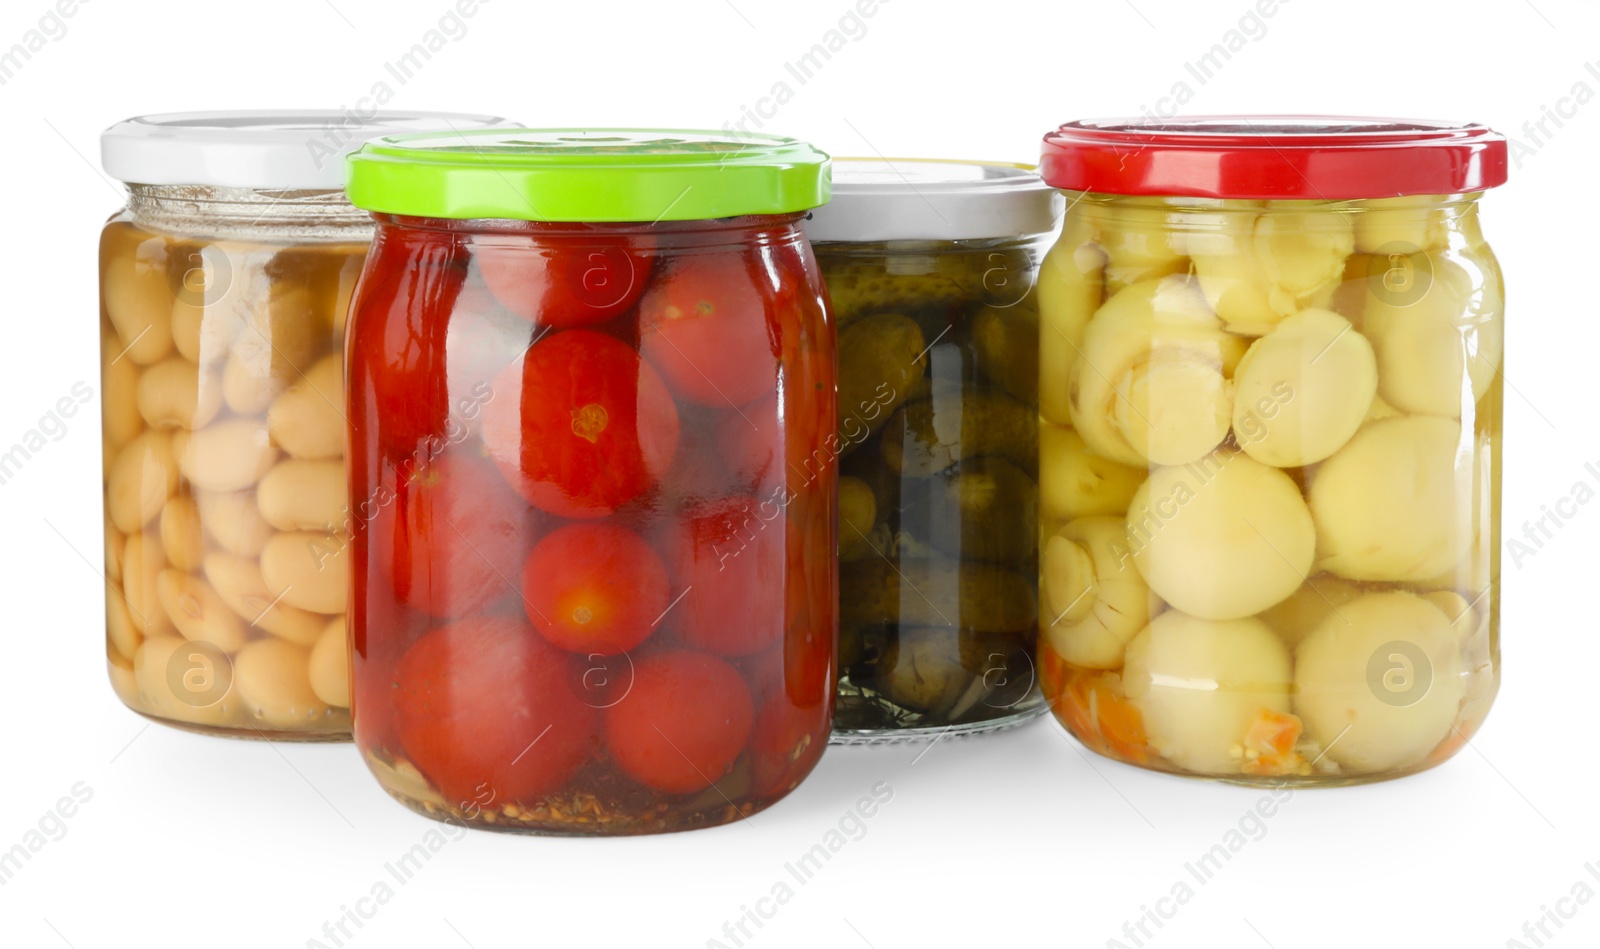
(943, 671)
(983, 509)
(927, 436)
(858, 512)
(863, 286)
(940, 593)
(881, 359)
(1006, 344)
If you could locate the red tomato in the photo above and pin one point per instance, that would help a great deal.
(399, 319)
(786, 744)
(699, 472)
(484, 338)
(595, 588)
(563, 282)
(730, 555)
(489, 713)
(455, 536)
(703, 323)
(580, 424)
(751, 440)
(683, 724)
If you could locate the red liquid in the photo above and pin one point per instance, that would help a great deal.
(594, 587)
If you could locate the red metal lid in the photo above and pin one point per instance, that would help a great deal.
(1331, 158)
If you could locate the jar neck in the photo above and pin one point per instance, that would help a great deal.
(249, 213)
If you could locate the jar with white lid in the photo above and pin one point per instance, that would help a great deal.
(930, 266)
(223, 289)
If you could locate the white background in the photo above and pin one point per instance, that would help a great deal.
(1021, 838)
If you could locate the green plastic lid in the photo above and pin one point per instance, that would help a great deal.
(595, 175)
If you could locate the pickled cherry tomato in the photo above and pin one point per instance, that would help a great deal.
(683, 724)
(454, 537)
(784, 746)
(595, 588)
(703, 323)
(489, 712)
(567, 282)
(397, 353)
(580, 425)
(730, 555)
(750, 441)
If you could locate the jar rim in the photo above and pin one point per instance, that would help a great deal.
(587, 175)
(884, 199)
(1267, 157)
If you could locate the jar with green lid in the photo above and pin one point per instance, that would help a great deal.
(590, 393)
(930, 267)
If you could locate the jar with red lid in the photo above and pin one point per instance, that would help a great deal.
(591, 394)
(1270, 444)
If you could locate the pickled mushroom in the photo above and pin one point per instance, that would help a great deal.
(1435, 348)
(1093, 598)
(1151, 384)
(1379, 686)
(1306, 608)
(1199, 685)
(1256, 269)
(1222, 538)
(1303, 389)
(1418, 222)
(1074, 482)
(1141, 242)
(1070, 288)
(1393, 504)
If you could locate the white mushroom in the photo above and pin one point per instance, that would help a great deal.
(1406, 224)
(1069, 289)
(1151, 384)
(1438, 332)
(1222, 538)
(1394, 504)
(1257, 268)
(1094, 599)
(1303, 389)
(1379, 685)
(1198, 684)
(1075, 482)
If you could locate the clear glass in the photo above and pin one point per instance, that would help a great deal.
(222, 324)
(938, 494)
(594, 583)
(1270, 467)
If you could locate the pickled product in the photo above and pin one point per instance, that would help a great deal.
(1269, 443)
(930, 269)
(206, 489)
(223, 289)
(596, 590)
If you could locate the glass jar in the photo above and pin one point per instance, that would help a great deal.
(930, 266)
(223, 289)
(591, 383)
(1270, 400)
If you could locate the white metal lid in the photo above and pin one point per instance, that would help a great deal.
(265, 149)
(931, 199)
